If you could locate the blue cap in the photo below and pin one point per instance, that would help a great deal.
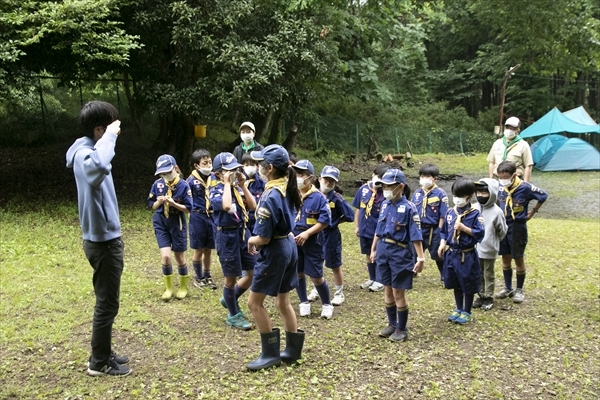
(225, 161)
(165, 163)
(330, 172)
(305, 165)
(393, 176)
(274, 154)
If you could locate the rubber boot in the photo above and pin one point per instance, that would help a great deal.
(294, 342)
(183, 286)
(166, 296)
(269, 357)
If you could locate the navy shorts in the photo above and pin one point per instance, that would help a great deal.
(464, 275)
(310, 259)
(515, 241)
(170, 232)
(276, 268)
(365, 245)
(233, 251)
(432, 235)
(201, 231)
(332, 248)
(394, 265)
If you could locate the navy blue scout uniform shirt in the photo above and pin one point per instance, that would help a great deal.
(341, 211)
(181, 194)
(314, 209)
(200, 187)
(275, 217)
(471, 218)
(520, 198)
(399, 221)
(256, 187)
(223, 218)
(362, 200)
(431, 205)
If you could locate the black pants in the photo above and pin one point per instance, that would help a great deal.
(106, 258)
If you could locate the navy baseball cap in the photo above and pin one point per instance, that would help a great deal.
(165, 163)
(305, 165)
(274, 154)
(225, 161)
(330, 172)
(393, 176)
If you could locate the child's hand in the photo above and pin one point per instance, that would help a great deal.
(440, 251)
(252, 249)
(114, 127)
(227, 176)
(301, 238)
(372, 256)
(169, 200)
(418, 267)
(160, 199)
(356, 231)
(460, 227)
(241, 178)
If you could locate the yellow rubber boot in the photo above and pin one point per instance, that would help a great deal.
(183, 286)
(166, 296)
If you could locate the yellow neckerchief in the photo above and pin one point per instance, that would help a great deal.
(310, 191)
(238, 197)
(426, 199)
(206, 191)
(279, 184)
(370, 203)
(170, 187)
(509, 200)
(459, 217)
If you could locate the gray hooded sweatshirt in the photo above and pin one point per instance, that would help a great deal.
(97, 201)
(494, 222)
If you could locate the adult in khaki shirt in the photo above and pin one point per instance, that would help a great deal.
(513, 148)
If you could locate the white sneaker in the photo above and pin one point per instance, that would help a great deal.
(314, 295)
(338, 298)
(305, 309)
(327, 311)
(366, 284)
(376, 287)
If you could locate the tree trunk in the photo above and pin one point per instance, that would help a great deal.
(176, 137)
(262, 131)
(137, 126)
(275, 128)
(290, 139)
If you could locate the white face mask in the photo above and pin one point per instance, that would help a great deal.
(246, 137)
(326, 189)
(509, 134)
(460, 201)
(505, 182)
(169, 176)
(250, 170)
(262, 174)
(426, 182)
(205, 171)
(388, 194)
(300, 182)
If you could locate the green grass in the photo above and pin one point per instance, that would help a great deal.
(547, 347)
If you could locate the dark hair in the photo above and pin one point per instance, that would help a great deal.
(248, 158)
(429, 170)
(381, 169)
(199, 155)
(293, 157)
(407, 191)
(463, 187)
(507, 166)
(96, 113)
(292, 185)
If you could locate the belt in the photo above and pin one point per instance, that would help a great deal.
(392, 241)
(203, 211)
(281, 236)
(227, 228)
(463, 251)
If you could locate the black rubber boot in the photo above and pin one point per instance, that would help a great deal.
(269, 356)
(293, 347)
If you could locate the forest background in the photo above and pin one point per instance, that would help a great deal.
(349, 76)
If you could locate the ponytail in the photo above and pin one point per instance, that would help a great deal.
(292, 187)
(407, 191)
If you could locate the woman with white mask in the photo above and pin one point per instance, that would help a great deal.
(513, 148)
(247, 131)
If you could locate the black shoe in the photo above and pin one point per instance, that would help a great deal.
(109, 369)
(488, 303)
(478, 302)
(399, 336)
(119, 359)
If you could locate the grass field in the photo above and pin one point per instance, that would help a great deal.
(547, 347)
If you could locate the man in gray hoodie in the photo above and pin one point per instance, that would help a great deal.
(495, 230)
(90, 157)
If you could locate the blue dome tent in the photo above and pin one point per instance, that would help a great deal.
(541, 146)
(570, 155)
(556, 122)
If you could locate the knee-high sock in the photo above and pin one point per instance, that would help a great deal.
(167, 269)
(230, 300)
(520, 279)
(402, 317)
(392, 315)
(372, 271)
(238, 291)
(323, 290)
(440, 266)
(459, 297)
(469, 302)
(197, 269)
(182, 270)
(301, 290)
(507, 278)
